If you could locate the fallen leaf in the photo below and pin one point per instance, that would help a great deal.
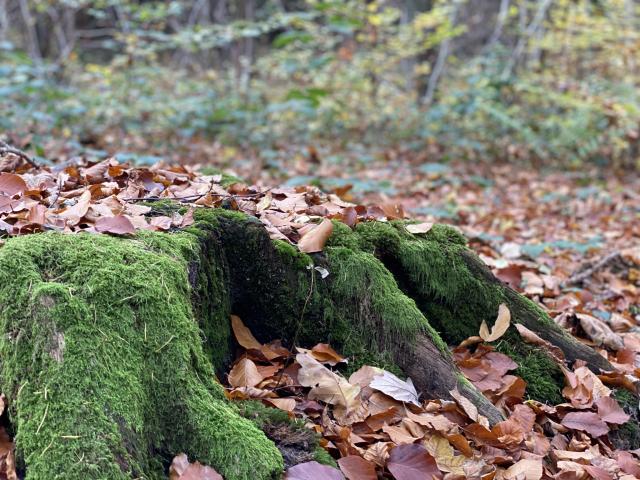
(600, 332)
(400, 390)
(416, 228)
(12, 184)
(244, 374)
(357, 468)
(314, 240)
(610, 411)
(286, 404)
(440, 449)
(313, 471)
(525, 469)
(182, 469)
(499, 328)
(243, 334)
(118, 225)
(326, 385)
(412, 462)
(589, 422)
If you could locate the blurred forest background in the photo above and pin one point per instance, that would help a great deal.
(537, 82)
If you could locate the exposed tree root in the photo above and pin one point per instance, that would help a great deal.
(109, 345)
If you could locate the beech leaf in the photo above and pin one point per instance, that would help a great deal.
(181, 469)
(357, 468)
(243, 334)
(499, 328)
(400, 390)
(589, 422)
(118, 225)
(326, 385)
(313, 471)
(11, 184)
(314, 240)
(412, 462)
(244, 374)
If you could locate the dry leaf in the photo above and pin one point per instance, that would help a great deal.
(412, 462)
(326, 385)
(400, 390)
(525, 469)
(416, 228)
(314, 240)
(243, 334)
(499, 328)
(589, 422)
(313, 471)
(244, 374)
(118, 225)
(357, 468)
(181, 469)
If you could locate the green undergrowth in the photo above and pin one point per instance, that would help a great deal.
(102, 359)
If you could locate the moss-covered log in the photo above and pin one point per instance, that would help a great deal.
(109, 345)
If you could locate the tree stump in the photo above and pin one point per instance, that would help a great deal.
(110, 345)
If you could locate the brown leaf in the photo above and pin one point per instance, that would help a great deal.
(313, 471)
(531, 337)
(610, 411)
(286, 404)
(315, 239)
(357, 468)
(181, 469)
(118, 225)
(326, 385)
(12, 184)
(244, 374)
(499, 328)
(440, 448)
(325, 354)
(412, 462)
(74, 214)
(243, 334)
(589, 422)
(525, 469)
(600, 332)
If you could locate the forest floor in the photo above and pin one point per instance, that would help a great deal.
(568, 240)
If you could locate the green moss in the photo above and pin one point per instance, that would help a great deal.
(627, 436)
(543, 376)
(454, 292)
(277, 423)
(104, 364)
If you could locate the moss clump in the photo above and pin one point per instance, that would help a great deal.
(455, 292)
(627, 436)
(102, 358)
(543, 376)
(297, 443)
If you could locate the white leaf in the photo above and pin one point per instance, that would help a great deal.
(400, 390)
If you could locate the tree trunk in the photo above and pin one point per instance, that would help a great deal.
(109, 345)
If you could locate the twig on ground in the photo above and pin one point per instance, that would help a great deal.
(6, 148)
(582, 275)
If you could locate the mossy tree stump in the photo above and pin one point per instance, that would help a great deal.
(109, 345)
